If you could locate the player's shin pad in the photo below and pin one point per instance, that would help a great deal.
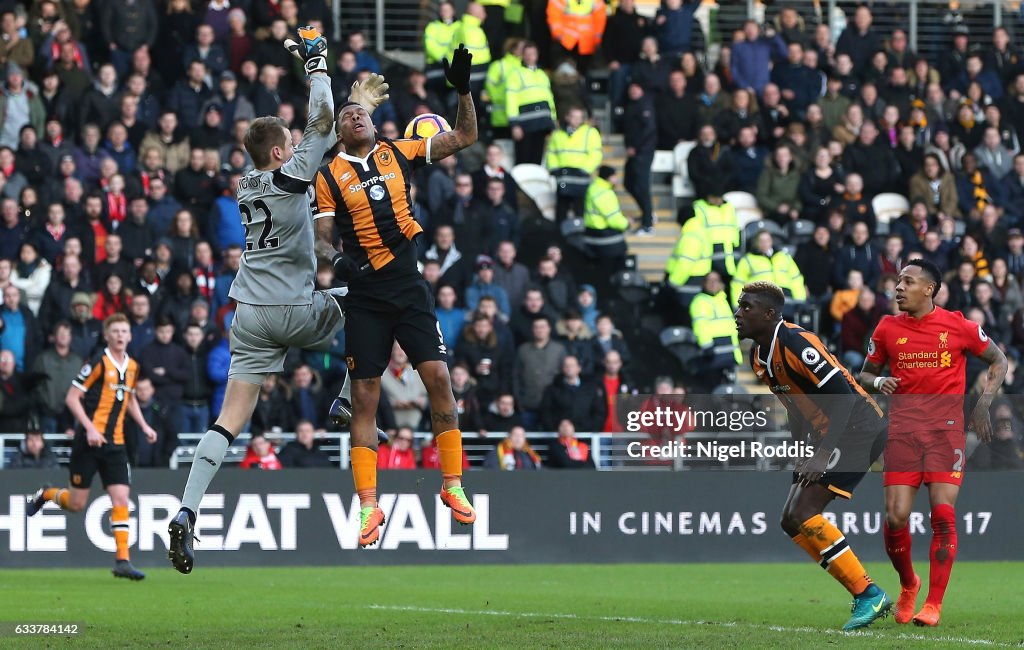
(449, 447)
(209, 455)
(829, 547)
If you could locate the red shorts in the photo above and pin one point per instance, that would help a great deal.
(925, 457)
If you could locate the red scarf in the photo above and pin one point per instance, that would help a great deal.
(99, 233)
(57, 232)
(205, 281)
(117, 208)
(577, 450)
(506, 452)
(55, 54)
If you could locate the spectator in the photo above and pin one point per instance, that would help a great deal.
(494, 168)
(206, 50)
(1003, 451)
(859, 40)
(749, 157)
(607, 338)
(712, 100)
(451, 318)
(800, 86)
(399, 453)
(992, 155)
(19, 106)
(196, 186)
(481, 352)
(303, 451)
(260, 453)
(484, 285)
(764, 262)
(936, 187)
(873, 160)
(1006, 286)
(859, 253)
(557, 286)
(574, 398)
(85, 330)
(141, 452)
(531, 108)
(33, 453)
(128, 25)
(641, 140)
(537, 364)
(230, 262)
(752, 57)
(453, 266)
(501, 414)
(676, 113)
(568, 452)
(15, 393)
(844, 300)
(604, 223)
(819, 185)
(32, 276)
(711, 165)
(217, 365)
(854, 204)
(172, 143)
(512, 276)
(20, 334)
(976, 187)
(166, 363)
(193, 413)
(857, 326)
(778, 187)
(514, 452)
(141, 321)
(404, 390)
(113, 298)
(573, 155)
(273, 411)
(57, 366)
(816, 258)
(622, 51)
(651, 71)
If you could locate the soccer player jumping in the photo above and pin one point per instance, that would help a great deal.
(924, 347)
(364, 192)
(828, 409)
(277, 306)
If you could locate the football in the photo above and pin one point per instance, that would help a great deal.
(425, 126)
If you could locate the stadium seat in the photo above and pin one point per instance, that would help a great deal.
(752, 228)
(572, 231)
(632, 286)
(889, 206)
(742, 200)
(682, 186)
(537, 183)
(800, 231)
(663, 163)
(682, 343)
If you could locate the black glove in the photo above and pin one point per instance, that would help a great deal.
(344, 267)
(457, 72)
(311, 49)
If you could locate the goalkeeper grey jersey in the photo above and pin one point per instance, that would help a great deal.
(278, 265)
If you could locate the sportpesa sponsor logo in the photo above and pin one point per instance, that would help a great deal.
(356, 187)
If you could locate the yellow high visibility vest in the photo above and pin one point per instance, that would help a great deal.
(714, 325)
(581, 150)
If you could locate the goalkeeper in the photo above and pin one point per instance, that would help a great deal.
(277, 306)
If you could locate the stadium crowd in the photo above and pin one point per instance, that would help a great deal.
(120, 146)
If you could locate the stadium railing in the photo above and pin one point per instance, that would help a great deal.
(611, 452)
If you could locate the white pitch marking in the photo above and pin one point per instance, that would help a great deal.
(671, 621)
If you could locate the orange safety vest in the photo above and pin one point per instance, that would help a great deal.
(577, 23)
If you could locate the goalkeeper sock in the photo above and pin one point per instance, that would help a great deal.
(119, 524)
(449, 447)
(60, 496)
(209, 455)
(827, 546)
(364, 474)
(943, 551)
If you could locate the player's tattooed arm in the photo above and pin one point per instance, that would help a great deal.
(872, 373)
(443, 145)
(323, 245)
(444, 418)
(981, 418)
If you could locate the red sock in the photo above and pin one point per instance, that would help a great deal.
(943, 551)
(897, 545)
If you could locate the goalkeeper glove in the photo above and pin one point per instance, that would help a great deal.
(311, 49)
(457, 72)
(370, 92)
(344, 267)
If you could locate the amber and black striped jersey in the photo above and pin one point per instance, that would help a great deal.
(800, 370)
(107, 387)
(369, 200)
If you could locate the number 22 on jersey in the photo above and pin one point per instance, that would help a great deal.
(265, 240)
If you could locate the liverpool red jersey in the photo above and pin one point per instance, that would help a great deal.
(927, 356)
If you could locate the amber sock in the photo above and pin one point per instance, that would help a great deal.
(119, 524)
(827, 546)
(364, 474)
(449, 447)
(60, 496)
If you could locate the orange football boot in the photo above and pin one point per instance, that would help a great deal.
(906, 602)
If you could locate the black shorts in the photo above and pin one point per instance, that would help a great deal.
(398, 311)
(852, 458)
(111, 461)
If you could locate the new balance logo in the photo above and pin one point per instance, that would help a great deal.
(901, 340)
(209, 460)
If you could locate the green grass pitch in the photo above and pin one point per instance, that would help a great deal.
(537, 606)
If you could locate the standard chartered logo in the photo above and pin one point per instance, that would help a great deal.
(357, 187)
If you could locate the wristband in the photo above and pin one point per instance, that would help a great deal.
(315, 64)
(878, 382)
